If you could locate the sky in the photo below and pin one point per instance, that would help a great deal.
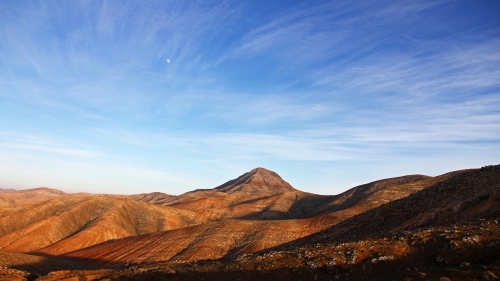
(129, 97)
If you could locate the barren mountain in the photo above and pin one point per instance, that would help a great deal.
(235, 237)
(258, 181)
(371, 228)
(258, 194)
(262, 194)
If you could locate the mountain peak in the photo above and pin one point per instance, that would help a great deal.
(259, 181)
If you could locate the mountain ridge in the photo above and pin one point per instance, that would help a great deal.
(231, 234)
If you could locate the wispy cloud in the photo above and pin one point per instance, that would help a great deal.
(368, 137)
(247, 109)
(52, 149)
(317, 34)
(416, 76)
(22, 142)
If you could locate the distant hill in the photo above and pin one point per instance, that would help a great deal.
(11, 197)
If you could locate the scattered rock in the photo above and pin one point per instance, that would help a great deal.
(488, 275)
(464, 264)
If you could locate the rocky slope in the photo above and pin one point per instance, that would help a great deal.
(463, 196)
(205, 241)
(463, 251)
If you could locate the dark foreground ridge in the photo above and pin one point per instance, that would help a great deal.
(465, 251)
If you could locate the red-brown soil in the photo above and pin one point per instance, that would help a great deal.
(237, 224)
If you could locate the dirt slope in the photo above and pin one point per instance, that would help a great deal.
(73, 222)
(205, 241)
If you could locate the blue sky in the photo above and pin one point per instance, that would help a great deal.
(170, 96)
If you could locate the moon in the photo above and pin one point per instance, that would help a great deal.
(168, 60)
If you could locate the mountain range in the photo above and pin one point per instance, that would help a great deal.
(45, 231)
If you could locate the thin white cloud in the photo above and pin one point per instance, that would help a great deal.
(413, 77)
(51, 149)
(22, 142)
(364, 138)
(314, 34)
(266, 110)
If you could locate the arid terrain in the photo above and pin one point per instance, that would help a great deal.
(258, 227)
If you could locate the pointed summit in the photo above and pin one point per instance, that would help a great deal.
(258, 181)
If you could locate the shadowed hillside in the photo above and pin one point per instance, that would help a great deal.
(463, 196)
